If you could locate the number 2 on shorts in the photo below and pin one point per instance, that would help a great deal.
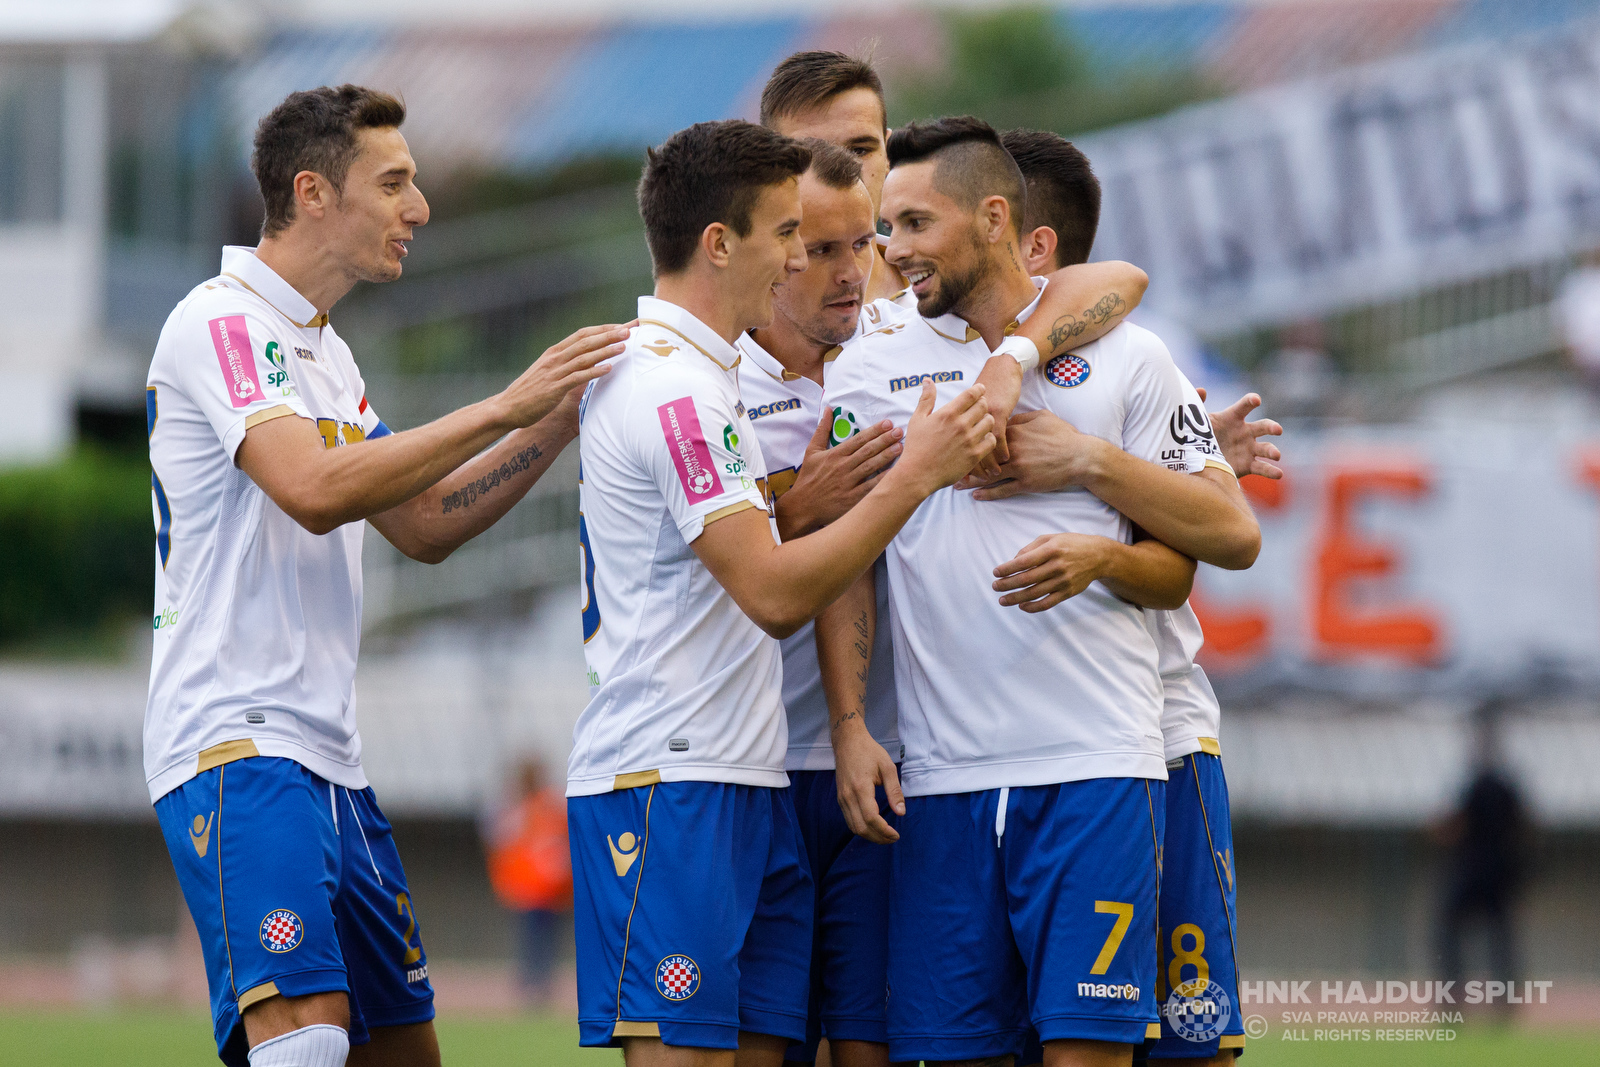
(1119, 929)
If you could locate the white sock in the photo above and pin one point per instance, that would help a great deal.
(310, 1046)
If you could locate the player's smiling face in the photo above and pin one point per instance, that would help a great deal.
(854, 121)
(372, 220)
(768, 255)
(934, 242)
(823, 302)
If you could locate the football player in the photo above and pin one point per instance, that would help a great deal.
(1024, 880)
(693, 895)
(266, 457)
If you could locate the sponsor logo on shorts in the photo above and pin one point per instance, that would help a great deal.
(1067, 370)
(913, 381)
(680, 423)
(624, 850)
(200, 834)
(232, 342)
(763, 410)
(1101, 991)
(281, 931)
(1198, 1011)
(417, 974)
(677, 978)
(166, 620)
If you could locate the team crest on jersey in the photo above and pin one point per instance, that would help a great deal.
(1067, 370)
(281, 931)
(677, 978)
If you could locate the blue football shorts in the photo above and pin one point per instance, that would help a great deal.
(693, 905)
(850, 943)
(1199, 918)
(1025, 909)
(295, 887)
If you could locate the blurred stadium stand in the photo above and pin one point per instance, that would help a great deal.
(122, 168)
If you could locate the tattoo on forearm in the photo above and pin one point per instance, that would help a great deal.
(864, 652)
(468, 494)
(1070, 326)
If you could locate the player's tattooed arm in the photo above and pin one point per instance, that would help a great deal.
(844, 634)
(468, 494)
(1066, 332)
(1083, 303)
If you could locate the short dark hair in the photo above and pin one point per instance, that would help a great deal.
(1063, 192)
(710, 172)
(314, 130)
(971, 161)
(835, 167)
(809, 79)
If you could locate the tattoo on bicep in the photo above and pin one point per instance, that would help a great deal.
(1104, 308)
(468, 494)
(1070, 326)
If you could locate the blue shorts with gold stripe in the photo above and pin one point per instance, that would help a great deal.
(1028, 908)
(1199, 918)
(295, 887)
(692, 909)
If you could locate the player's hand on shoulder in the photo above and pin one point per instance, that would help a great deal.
(860, 766)
(1241, 441)
(1047, 454)
(945, 443)
(571, 364)
(1051, 569)
(832, 480)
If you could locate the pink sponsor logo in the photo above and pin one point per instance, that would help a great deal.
(238, 362)
(680, 423)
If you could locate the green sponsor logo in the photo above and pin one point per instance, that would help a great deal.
(844, 427)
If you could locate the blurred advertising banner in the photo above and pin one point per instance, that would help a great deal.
(1376, 181)
(1445, 559)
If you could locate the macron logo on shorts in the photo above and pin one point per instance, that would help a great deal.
(238, 362)
(680, 423)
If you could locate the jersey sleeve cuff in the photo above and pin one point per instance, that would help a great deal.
(235, 435)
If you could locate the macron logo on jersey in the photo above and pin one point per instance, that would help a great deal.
(238, 363)
(680, 423)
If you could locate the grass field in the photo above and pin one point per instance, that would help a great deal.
(78, 1039)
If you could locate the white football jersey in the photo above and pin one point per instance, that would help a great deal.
(992, 696)
(1191, 718)
(257, 621)
(785, 408)
(682, 685)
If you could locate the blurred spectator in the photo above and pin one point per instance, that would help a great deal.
(1300, 378)
(1488, 836)
(1578, 318)
(530, 869)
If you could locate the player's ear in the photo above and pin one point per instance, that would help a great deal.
(1039, 250)
(313, 195)
(994, 217)
(716, 242)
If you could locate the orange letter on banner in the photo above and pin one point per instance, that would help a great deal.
(1239, 634)
(1345, 555)
(1589, 466)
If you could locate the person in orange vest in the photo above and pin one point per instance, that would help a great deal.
(530, 870)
